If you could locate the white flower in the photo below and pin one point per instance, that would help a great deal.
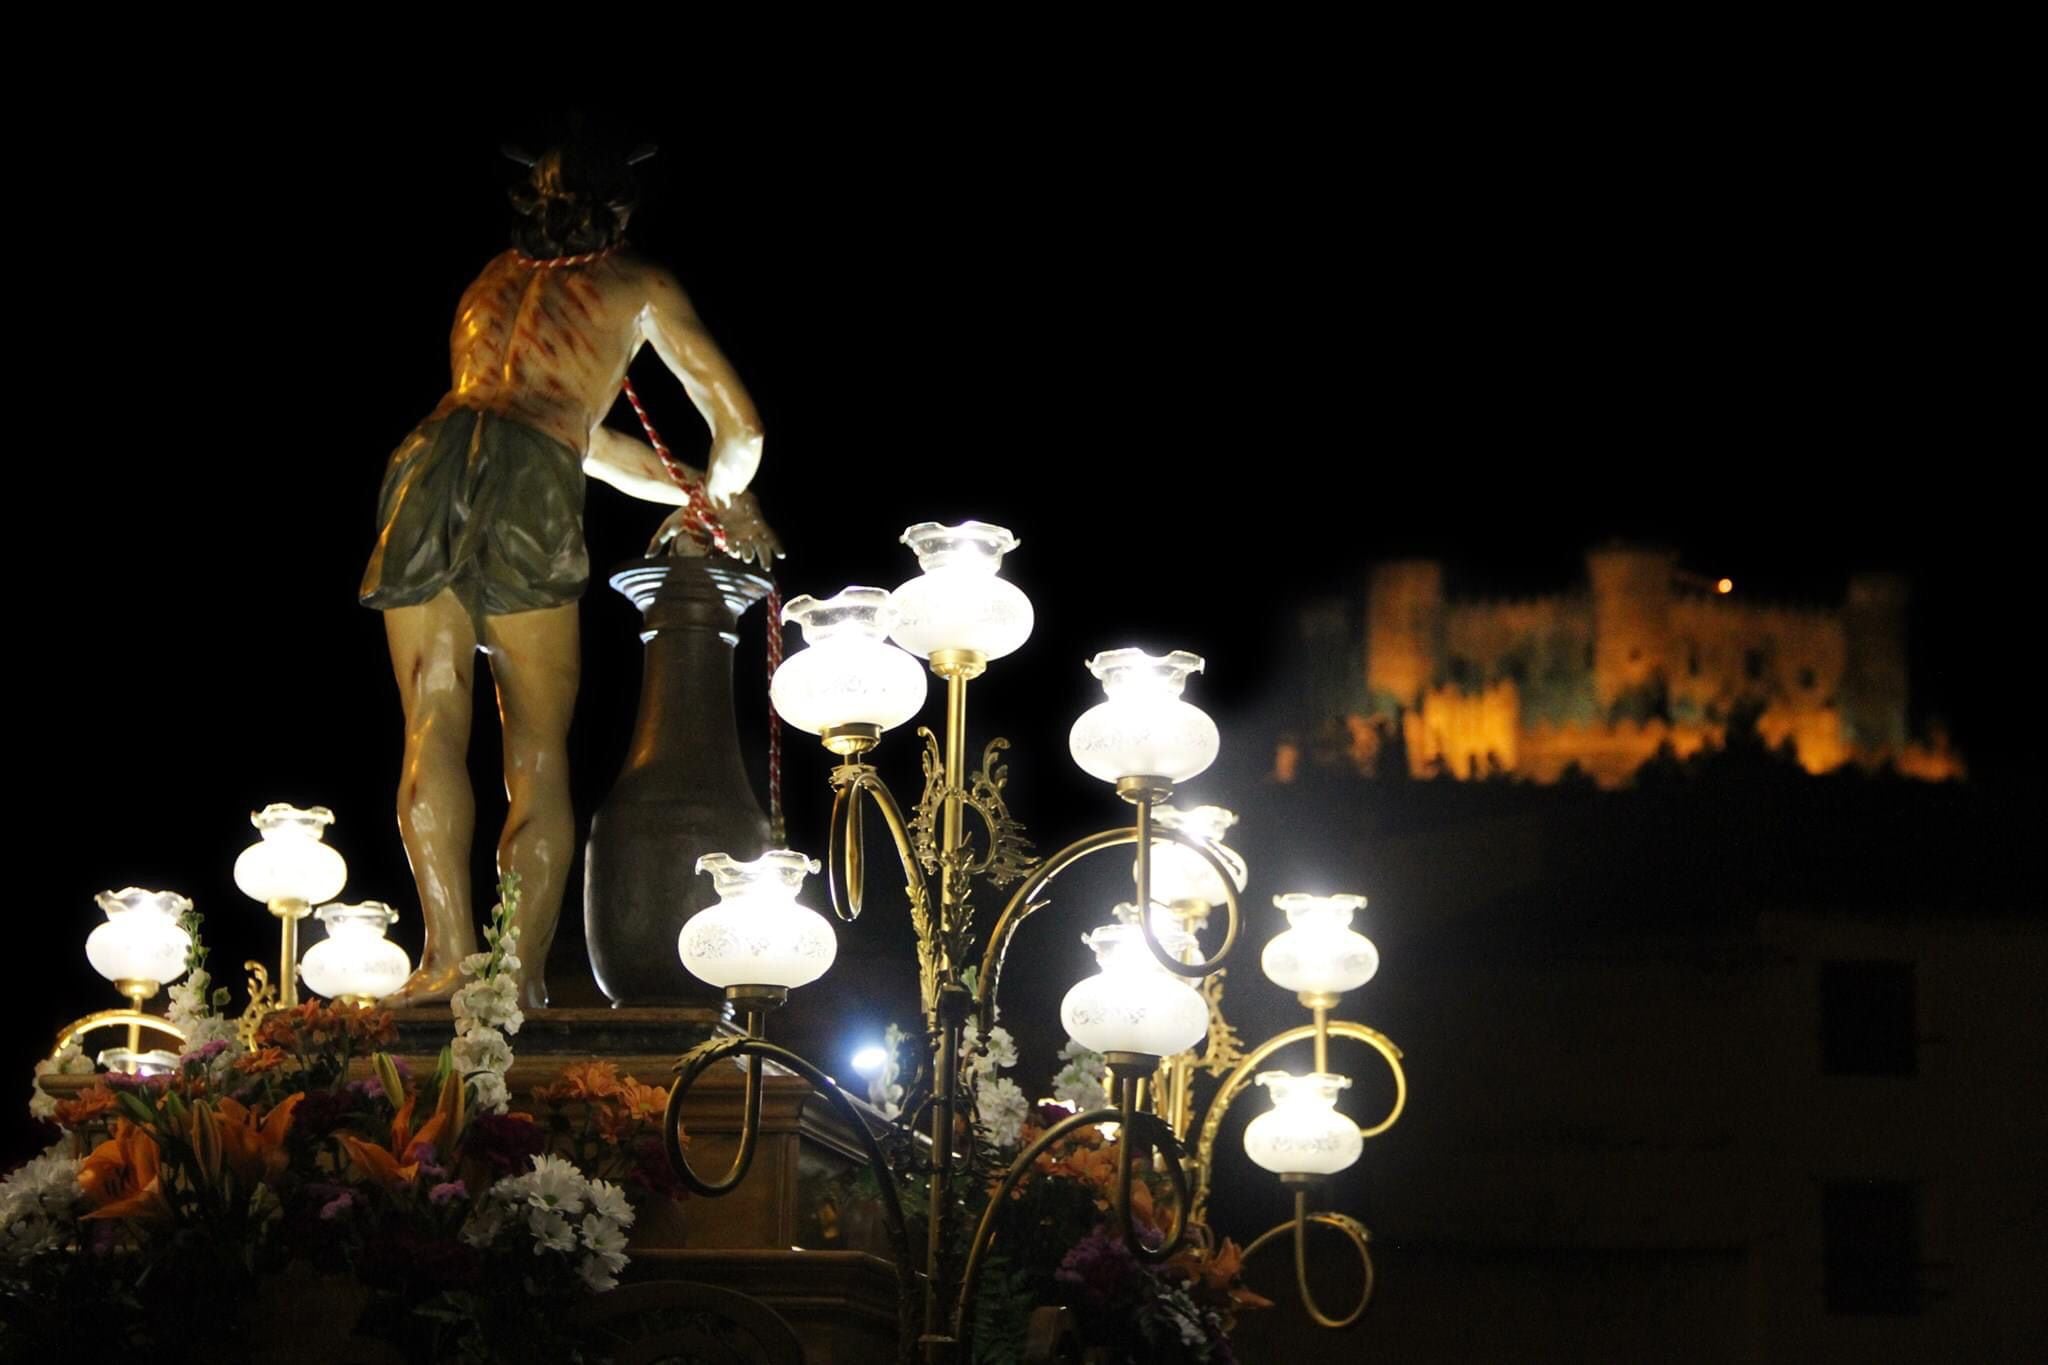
(1001, 1053)
(1079, 1082)
(609, 1201)
(595, 1274)
(602, 1235)
(487, 1220)
(492, 1003)
(37, 1203)
(482, 1049)
(488, 1093)
(551, 1231)
(475, 963)
(1002, 1107)
(557, 1185)
(1002, 1048)
(69, 1061)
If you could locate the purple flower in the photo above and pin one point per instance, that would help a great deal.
(448, 1193)
(336, 1207)
(323, 1111)
(122, 1080)
(1102, 1268)
(206, 1053)
(507, 1143)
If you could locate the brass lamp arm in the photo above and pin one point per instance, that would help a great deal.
(1353, 1230)
(1235, 1082)
(136, 1021)
(845, 865)
(756, 1049)
(1021, 906)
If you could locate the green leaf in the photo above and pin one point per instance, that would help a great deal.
(137, 1110)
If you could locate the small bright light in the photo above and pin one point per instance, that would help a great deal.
(869, 1059)
(1725, 586)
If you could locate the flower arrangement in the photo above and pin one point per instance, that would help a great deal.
(188, 1214)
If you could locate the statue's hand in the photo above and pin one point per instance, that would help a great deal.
(676, 535)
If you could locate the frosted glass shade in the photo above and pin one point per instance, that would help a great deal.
(959, 602)
(290, 863)
(355, 959)
(847, 673)
(1144, 729)
(757, 935)
(1303, 1134)
(1181, 876)
(141, 940)
(1132, 1004)
(1319, 951)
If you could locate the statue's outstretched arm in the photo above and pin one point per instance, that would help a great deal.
(678, 337)
(631, 466)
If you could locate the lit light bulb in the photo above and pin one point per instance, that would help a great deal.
(141, 946)
(290, 863)
(355, 962)
(1132, 1003)
(1181, 877)
(1319, 953)
(1143, 729)
(756, 934)
(959, 602)
(847, 672)
(869, 1059)
(1303, 1134)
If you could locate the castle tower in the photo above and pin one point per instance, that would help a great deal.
(1631, 617)
(1874, 671)
(1404, 631)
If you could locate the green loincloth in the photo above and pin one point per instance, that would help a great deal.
(486, 506)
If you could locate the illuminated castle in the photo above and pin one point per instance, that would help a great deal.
(1601, 680)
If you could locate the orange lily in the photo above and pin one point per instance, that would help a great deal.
(387, 1165)
(253, 1149)
(123, 1176)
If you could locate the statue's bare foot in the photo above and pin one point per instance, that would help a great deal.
(429, 985)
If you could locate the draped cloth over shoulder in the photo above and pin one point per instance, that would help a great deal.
(485, 505)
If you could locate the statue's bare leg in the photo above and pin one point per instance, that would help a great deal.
(433, 653)
(535, 660)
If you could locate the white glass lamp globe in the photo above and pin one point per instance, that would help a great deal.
(757, 935)
(141, 944)
(959, 602)
(847, 673)
(355, 961)
(1303, 1134)
(1181, 877)
(1132, 1004)
(290, 863)
(1319, 952)
(1143, 729)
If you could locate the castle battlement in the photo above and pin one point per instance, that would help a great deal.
(1602, 678)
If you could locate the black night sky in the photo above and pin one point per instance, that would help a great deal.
(1209, 354)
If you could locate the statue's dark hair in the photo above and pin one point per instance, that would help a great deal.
(575, 198)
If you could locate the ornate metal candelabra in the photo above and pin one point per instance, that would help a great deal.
(1143, 1011)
